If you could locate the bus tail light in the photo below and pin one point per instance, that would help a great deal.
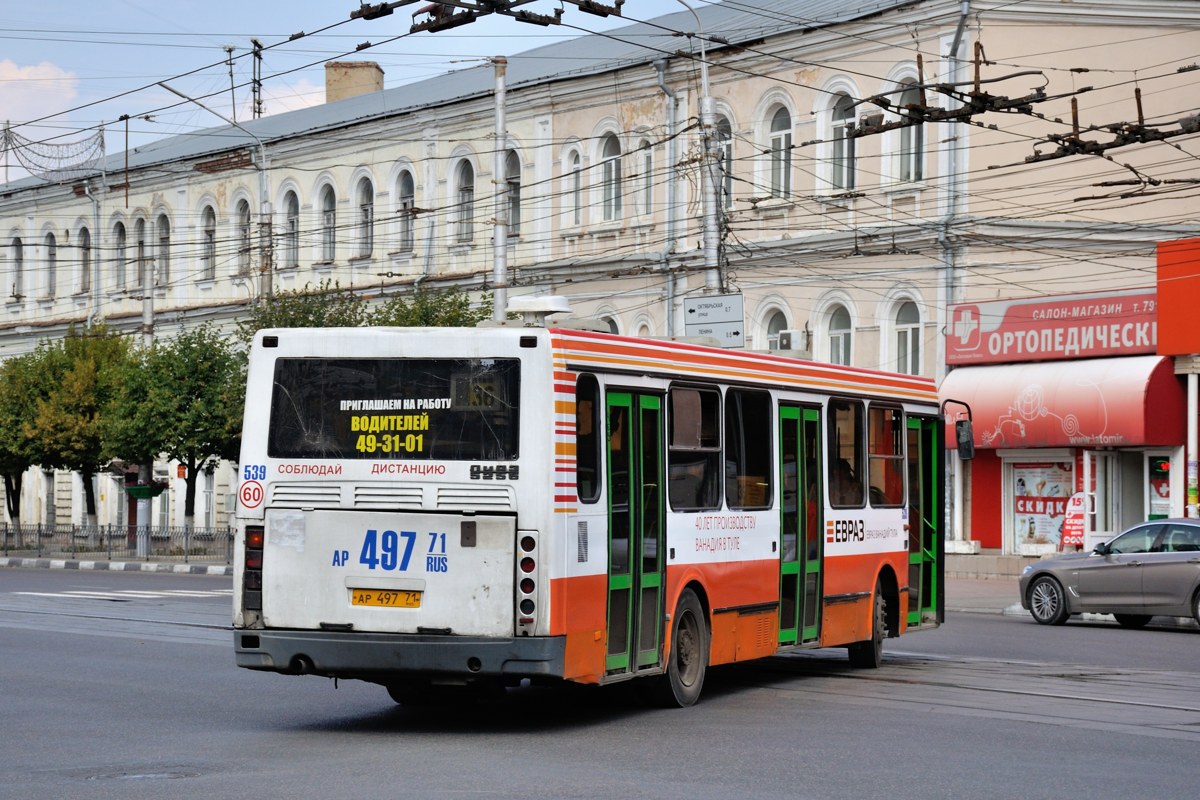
(527, 583)
(252, 572)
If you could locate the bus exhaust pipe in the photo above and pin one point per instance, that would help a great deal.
(301, 665)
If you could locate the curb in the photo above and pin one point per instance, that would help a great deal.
(118, 566)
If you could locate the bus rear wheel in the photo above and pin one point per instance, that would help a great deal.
(869, 654)
(688, 660)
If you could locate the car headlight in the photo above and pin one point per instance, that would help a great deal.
(1028, 569)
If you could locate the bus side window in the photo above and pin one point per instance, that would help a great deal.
(845, 453)
(748, 449)
(885, 434)
(587, 439)
(694, 458)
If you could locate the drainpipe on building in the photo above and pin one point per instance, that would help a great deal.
(665, 256)
(94, 314)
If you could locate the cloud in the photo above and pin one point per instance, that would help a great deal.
(34, 92)
(292, 96)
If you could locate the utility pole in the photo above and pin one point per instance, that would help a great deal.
(708, 171)
(232, 97)
(256, 84)
(500, 235)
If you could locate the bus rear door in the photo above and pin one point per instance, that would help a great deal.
(635, 532)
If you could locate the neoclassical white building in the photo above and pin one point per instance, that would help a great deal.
(877, 161)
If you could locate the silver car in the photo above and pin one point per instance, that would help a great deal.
(1150, 569)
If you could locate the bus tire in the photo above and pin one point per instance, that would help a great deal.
(869, 654)
(688, 660)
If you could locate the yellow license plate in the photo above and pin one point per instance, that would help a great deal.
(385, 598)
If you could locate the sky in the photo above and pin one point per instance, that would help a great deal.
(67, 67)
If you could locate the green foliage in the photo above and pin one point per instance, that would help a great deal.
(20, 384)
(429, 308)
(330, 306)
(326, 306)
(19, 389)
(183, 399)
(76, 381)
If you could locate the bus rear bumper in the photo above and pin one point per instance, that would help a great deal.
(370, 656)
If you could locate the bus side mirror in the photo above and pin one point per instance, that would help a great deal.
(965, 439)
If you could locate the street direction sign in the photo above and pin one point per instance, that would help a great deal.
(720, 316)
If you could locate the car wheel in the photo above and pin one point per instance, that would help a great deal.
(1047, 602)
(1132, 620)
(1196, 606)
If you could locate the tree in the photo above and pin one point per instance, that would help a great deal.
(19, 388)
(182, 399)
(326, 306)
(78, 379)
(330, 306)
(430, 308)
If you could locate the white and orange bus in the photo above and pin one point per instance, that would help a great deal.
(427, 507)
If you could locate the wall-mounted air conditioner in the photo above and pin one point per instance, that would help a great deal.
(796, 343)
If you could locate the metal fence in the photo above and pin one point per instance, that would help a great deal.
(119, 542)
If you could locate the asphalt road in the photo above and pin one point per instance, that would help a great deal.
(123, 686)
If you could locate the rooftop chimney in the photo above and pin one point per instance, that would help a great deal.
(344, 79)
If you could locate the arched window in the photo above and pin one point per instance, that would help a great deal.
(291, 230)
(208, 244)
(911, 153)
(85, 261)
(908, 338)
(328, 224)
(163, 268)
(140, 253)
(464, 186)
(841, 172)
(839, 335)
(51, 246)
(575, 189)
(776, 323)
(17, 255)
(366, 218)
(723, 136)
(611, 322)
(512, 185)
(781, 153)
(119, 257)
(610, 202)
(245, 236)
(406, 191)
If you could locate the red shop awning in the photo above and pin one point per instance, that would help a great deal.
(1099, 402)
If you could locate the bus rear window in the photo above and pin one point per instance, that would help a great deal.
(380, 408)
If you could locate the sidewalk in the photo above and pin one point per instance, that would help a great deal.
(116, 566)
